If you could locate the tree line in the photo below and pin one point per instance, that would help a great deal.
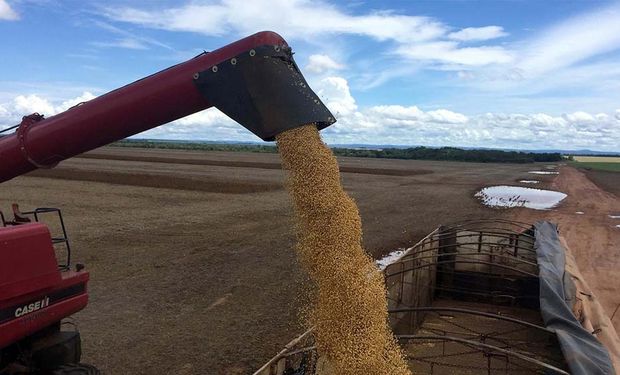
(416, 153)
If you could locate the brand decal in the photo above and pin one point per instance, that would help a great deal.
(32, 307)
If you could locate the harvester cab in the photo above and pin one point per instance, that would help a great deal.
(38, 289)
(255, 81)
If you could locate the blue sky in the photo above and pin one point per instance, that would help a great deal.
(519, 74)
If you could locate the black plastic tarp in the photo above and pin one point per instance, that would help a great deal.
(583, 353)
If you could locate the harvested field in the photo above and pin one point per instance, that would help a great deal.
(238, 163)
(606, 180)
(597, 159)
(191, 280)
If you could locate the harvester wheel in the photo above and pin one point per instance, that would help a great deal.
(76, 369)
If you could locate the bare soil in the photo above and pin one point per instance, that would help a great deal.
(592, 236)
(192, 267)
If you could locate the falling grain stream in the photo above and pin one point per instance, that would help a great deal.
(350, 312)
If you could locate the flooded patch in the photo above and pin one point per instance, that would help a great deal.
(614, 216)
(529, 181)
(389, 259)
(517, 196)
(579, 212)
(543, 172)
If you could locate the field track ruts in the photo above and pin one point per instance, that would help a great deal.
(250, 164)
(158, 181)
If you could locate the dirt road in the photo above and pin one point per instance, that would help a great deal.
(584, 220)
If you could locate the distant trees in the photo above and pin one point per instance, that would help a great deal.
(418, 153)
(452, 154)
(199, 146)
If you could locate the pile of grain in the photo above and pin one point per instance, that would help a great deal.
(350, 315)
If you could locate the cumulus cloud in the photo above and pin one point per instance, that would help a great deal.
(335, 93)
(478, 33)
(322, 63)
(413, 113)
(384, 124)
(22, 105)
(412, 125)
(6, 12)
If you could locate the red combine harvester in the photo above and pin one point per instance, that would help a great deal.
(255, 81)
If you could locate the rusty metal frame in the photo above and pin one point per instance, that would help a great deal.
(470, 223)
(474, 253)
(474, 312)
(484, 348)
(465, 262)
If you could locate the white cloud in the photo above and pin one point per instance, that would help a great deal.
(335, 93)
(411, 125)
(127, 39)
(302, 19)
(128, 43)
(413, 113)
(6, 12)
(322, 63)
(86, 96)
(579, 117)
(478, 33)
(450, 53)
(418, 38)
(572, 41)
(32, 103)
(384, 124)
(12, 111)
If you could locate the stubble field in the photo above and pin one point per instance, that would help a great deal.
(190, 253)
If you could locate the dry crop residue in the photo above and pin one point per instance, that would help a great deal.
(350, 315)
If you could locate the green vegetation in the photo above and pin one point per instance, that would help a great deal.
(418, 153)
(452, 154)
(610, 167)
(198, 146)
(609, 163)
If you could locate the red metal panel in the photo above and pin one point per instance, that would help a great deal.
(19, 328)
(27, 260)
(142, 105)
(61, 305)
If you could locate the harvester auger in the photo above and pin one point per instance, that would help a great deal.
(255, 81)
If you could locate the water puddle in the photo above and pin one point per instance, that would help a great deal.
(517, 196)
(614, 216)
(579, 212)
(390, 258)
(543, 172)
(529, 181)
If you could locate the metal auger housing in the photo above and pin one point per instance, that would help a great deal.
(255, 81)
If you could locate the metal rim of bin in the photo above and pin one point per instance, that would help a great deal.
(482, 347)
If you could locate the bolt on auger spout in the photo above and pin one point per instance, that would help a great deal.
(255, 81)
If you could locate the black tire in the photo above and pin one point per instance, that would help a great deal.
(76, 369)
